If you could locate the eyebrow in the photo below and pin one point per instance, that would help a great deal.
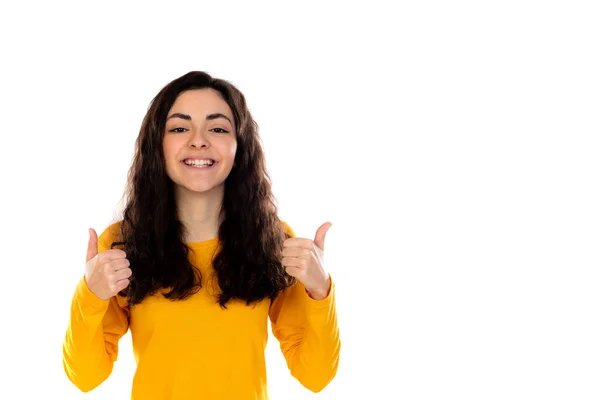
(209, 117)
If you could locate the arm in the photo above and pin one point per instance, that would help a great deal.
(91, 343)
(308, 333)
(307, 330)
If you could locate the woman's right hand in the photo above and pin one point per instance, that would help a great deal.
(108, 273)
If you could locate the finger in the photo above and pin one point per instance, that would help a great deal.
(293, 271)
(124, 273)
(122, 284)
(295, 252)
(293, 262)
(92, 249)
(112, 254)
(298, 242)
(116, 265)
(320, 235)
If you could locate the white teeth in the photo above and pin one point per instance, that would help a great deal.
(199, 163)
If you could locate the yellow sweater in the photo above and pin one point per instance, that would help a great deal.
(194, 349)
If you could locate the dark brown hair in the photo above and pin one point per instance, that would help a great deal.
(248, 265)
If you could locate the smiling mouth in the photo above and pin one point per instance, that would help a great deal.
(200, 163)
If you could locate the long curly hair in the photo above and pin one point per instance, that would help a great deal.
(248, 262)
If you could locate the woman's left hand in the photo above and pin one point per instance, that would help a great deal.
(304, 260)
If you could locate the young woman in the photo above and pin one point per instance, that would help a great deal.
(200, 261)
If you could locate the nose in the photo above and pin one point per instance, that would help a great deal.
(199, 139)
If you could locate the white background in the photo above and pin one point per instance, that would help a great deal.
(454, 146)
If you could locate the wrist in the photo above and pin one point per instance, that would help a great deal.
(321, 292)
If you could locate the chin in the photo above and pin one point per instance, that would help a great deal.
(202, 188)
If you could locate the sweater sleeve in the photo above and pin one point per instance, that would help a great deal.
(308, 333)
(91, 343)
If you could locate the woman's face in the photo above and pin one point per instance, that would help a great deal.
(199, 141)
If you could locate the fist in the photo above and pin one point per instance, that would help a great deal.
(304, 260)
(108, 273)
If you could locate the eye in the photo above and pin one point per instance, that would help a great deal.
(219, 130)
(178, 130)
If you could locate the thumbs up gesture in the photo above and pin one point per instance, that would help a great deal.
(304, 260)
(108, 273)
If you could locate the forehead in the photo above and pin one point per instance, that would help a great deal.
(199, 102)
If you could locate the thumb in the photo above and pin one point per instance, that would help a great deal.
(92, 250)
(320, 235)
